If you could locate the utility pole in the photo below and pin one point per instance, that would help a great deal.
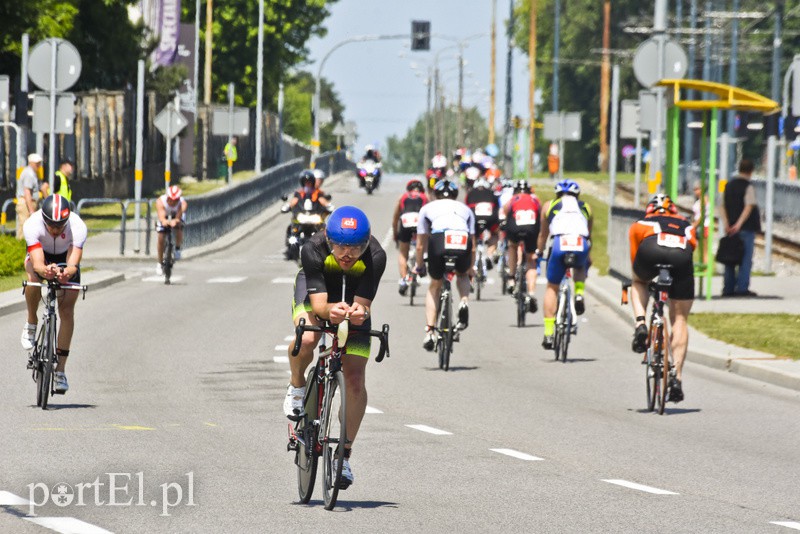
(460, 121)
(259, 83)
(688, 133)
(494, 72)
(556, 51)
(532, 86)
(733, 79)
(207, 73)
(509, 59)
(428, 119)
(605, 71)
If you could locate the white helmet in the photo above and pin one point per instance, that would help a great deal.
(368, 148)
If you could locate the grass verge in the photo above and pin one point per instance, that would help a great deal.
(773, 333)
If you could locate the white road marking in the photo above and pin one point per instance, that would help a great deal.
(788, 524)
(283, 280)
(430, 430)
(280, 359)
(640, 487)
(9, 499)
(370, 409)
(517, 454)
(161, 279)
(387, 237)
(67, 525)
(281, 347)
(227, 280)
(288, 338)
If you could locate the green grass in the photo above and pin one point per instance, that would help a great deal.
(771, 333)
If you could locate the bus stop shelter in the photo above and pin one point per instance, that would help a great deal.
(719, 96)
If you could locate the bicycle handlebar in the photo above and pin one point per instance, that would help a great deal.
(382, 335)
(52, 284)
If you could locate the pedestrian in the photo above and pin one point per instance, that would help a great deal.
(28, 188)
(61, 179)
(741, 217)
(230, 152)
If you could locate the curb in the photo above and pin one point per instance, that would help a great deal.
(753, 366)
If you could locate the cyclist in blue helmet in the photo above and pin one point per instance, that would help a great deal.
(340, 275)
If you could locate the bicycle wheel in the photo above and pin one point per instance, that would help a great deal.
(412, 290)
(44, 379)
(168, 259)
(306, 457)
(444, 327)
(567, 327)
(333, 437)
(665, 371)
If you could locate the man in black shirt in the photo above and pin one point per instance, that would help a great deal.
(741, 217)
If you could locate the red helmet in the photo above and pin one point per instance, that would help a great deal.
(660, 203)
(174, 192)
(55, 211)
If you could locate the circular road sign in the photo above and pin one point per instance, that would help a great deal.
(645, 61)
(68, 64)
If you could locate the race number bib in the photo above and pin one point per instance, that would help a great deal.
(571, 243)
(671, 240)
(525, 217)
(308, 205)
(455, 240)
(484, 209)
(409, 220)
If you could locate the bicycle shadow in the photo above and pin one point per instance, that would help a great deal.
(454, 368)
(350, 506)
(668, 411)
(575, 360)
(65, 406)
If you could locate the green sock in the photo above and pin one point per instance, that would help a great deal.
(549, 326)
(579, 287)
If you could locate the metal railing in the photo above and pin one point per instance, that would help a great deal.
(84, 201)
(4, 217)
(786, 202)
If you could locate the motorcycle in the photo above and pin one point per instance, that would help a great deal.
(306, 221)
(369, 173)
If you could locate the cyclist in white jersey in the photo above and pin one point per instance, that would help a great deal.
(569, 222)
(446, 227)
(171, 209)
(54, 235)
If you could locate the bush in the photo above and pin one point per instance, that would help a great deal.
(12, 255)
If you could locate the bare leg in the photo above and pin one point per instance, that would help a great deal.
(679, 342)
(160, 247)
(402, 259)
(432, 301)
(298, 364)
(66, 313)
(530, 274)
(354, 368)
(32, 294)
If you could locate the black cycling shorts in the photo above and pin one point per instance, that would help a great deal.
(529, 236)
(437, 256)
(406, 235)
(650, 254)
(61, 259)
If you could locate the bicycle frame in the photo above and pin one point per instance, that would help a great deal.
(445, 331)
(659, 351)
(565, 324)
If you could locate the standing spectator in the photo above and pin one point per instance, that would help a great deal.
(61, 179)
(230, 152)
(697, 212)
(28, 187)
(741, 217)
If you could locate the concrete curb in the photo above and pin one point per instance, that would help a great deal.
(746, 362)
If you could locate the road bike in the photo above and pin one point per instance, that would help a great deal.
(411, 273)
(446, 331)
(43, 359)
(521, 290)
(659, 370)
(321, 431)
(480, 265)
(502, 265)
(169, 254)
(565, 325)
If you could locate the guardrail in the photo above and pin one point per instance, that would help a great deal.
(4, 217)
(786, 203)
(84, 201)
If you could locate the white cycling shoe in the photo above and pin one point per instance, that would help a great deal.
(28, 337)
(293, 402)
(347, 474)
(61, 385)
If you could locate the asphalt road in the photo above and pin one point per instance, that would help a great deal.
(181, 387)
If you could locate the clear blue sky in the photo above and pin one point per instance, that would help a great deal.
(381, 91)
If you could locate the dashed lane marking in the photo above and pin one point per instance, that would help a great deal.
(132, 427)
(640, 487)
(9, 499)
(227, 280)
(160, 279)
(285, 280)
(517, 454)
(370, 409)
(281, 347)
(67, 525)
(788, 524)
(288, 338)
(280, 359)
(387, 238)
(430, 430)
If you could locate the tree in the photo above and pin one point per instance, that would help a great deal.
(298, 96)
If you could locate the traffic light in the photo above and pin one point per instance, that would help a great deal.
(420, 35)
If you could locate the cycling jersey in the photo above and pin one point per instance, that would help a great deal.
(410, 204)
(445, 214)
(668, 230)
(523, 220)
(37, 236)
(568, 216)
(484, 205)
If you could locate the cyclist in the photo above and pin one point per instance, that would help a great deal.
(54, 235)
(522, 226)
(569, 222)
(663, 237)
(446, 227)
(404, 225)
(345, 258)
(319, 178)
(171, 210)
(484, 204)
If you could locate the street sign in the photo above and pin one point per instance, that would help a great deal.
(68, 64)
(325, 116)
(3, 94)
(648, 112)
(350, 127)
(170, 121)
(221, 116)
(339, 129)
(420, 35)
(562, 126)
(629, 119)
(65, 113)
(645, 61)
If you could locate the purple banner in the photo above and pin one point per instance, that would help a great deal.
(168, 30)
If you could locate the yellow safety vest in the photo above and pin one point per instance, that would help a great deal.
(64, 189)
(230, 152)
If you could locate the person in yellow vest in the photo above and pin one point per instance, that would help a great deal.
(61, 179)
(230, 149)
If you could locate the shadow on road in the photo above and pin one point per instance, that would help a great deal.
(669, 411)
(67, 406)
(455, 368)
(350, 506)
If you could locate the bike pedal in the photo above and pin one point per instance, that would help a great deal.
(296, 417)
(291, 446)
(57, 392)
(344, 484)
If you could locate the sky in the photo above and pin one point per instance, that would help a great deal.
(379, 88)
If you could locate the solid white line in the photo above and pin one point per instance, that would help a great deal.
(67, 525)
(370, 409)
(9, 499)
(387, 237)
(430, 430)
(226, 280)
(280, 359)
(281, 347)
(640, 487)
(788, 524)
(283, 280)
(517, 454)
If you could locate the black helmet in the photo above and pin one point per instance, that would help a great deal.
(415, 183)
(446, 189)
(307, 178)
(521, 186)
(55, 211)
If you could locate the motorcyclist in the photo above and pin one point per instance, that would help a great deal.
(371, 154)
(308, 198)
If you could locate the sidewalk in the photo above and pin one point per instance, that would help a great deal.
(775, 295)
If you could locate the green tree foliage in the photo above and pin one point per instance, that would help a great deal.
(298, 96)
(581, 40)
(407, 154)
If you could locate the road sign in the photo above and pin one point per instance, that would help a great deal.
(562, 126)
(170, 121)
(629, 119)
(648, 107)
(325, 116)
(3, 95)
(68, 64)
(339, 129)
(65, 113)
(420, 35)
(350, 128)
(220, 119)
(645, 61)
(628, 151)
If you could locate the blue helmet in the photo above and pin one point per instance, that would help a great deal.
(568, 186)
(348, 225)
(446, 189)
